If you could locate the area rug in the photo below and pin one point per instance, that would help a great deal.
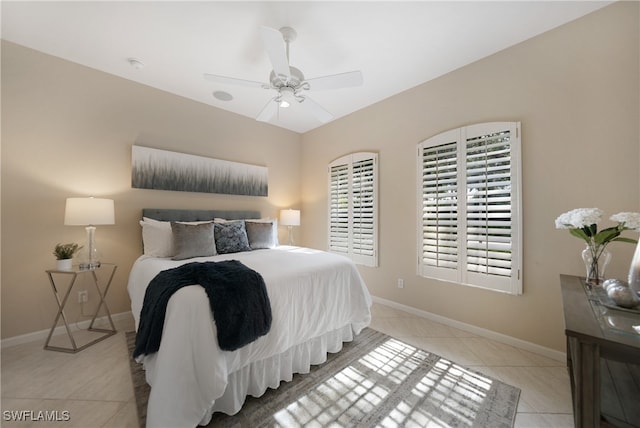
(375, 380)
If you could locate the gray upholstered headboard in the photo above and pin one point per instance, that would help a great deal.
(169, 214)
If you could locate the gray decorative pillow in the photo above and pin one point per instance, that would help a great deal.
(231, 237)
(260, 234)
(193, 240)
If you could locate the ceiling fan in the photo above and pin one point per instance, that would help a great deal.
(288, 81)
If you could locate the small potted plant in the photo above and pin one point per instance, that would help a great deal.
(64, 255)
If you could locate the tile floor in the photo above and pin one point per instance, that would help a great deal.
(545, 400)
(94, 386)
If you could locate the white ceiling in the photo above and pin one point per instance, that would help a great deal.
(396, 45)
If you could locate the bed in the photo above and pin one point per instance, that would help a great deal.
(318, 302)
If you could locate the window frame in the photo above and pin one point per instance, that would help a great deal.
(353, 250)
(511, 284)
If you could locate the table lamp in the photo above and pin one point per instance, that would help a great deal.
(89, 212)
(290, 218)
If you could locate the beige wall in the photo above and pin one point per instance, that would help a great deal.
(67, 130)
(576, 91)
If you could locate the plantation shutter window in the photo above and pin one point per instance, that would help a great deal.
(469, 202)
(353, 207)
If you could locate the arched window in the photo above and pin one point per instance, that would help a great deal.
(469, 219)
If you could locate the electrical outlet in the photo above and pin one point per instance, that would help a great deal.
(400, 283)
(83, 296)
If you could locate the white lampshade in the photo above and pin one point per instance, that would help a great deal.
(88, 211)
(290, 217)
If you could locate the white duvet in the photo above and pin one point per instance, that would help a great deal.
(313, 294)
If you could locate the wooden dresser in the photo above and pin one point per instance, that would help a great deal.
(603, 357)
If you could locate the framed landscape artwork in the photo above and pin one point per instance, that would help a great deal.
(165, 170)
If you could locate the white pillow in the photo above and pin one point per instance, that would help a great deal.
(157, 238)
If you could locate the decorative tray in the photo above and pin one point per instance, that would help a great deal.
(612, 318)
(598, 293)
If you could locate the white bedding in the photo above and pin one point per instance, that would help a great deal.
(318, 300)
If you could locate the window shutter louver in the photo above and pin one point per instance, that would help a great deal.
(489, 204)
(363, 207)
(440, 206)
(353, 207)
(339, 209)
(469, 193)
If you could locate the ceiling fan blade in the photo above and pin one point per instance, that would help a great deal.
(234, 81)
(268, 112)
(336, 81)
(274, 44)
(316, 109)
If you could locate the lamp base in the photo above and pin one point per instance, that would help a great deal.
(634, 271)
(89, 256)
(290, 235)
(89, 266)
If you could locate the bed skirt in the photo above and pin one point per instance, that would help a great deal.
(254, 379)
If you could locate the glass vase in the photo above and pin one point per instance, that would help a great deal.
(634, 271)
(595, 263)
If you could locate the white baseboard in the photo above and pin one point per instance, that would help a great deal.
(42, 334)
(489, 334)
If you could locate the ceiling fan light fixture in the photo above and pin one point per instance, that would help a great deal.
(286, 96)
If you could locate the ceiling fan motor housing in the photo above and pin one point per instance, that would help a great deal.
(295, 81)
(289, 87)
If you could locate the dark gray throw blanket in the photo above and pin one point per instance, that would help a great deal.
(237, 296)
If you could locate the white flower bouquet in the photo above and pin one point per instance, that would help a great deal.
(583, 223)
